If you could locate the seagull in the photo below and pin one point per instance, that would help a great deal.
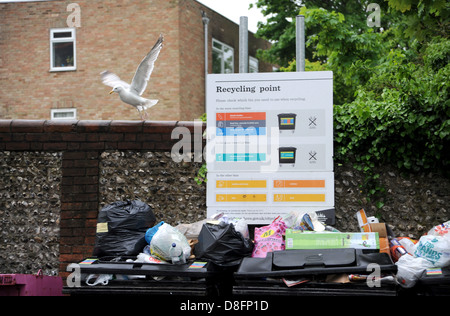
(131, 94)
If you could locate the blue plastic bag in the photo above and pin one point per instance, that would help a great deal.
(151, 232)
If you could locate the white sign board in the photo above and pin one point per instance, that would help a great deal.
(268, 127)
(270, 189)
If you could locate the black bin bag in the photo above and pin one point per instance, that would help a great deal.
(222, 245)
(121, 228)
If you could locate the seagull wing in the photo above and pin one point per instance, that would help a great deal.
(112, 80)
(145, 68)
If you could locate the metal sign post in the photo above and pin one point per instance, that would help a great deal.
(243, 45)
(300, 42)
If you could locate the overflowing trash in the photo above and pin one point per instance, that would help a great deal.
(221, 243)
(169, 244)
(431, 251)
(296, 242)
(121, 228)
(269, 238)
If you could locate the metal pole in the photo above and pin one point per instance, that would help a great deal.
(243, 45)
(205, 20)
(300, 42)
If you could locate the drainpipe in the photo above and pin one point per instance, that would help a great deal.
(205, 20)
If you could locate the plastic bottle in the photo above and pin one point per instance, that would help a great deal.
(176, 254)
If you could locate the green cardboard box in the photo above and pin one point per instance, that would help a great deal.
(296, 239)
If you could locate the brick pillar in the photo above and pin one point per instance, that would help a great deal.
(79, 206)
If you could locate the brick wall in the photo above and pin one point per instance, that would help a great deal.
(81, 144)
(114, 35)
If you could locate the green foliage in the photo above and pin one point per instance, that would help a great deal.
(423, 18)
(201, 175)
(401, 114)
(203, 171)
(391, 101)
(309, 66)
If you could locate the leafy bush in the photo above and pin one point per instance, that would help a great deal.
(401, 115)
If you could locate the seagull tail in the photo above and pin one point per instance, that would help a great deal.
(148, 104)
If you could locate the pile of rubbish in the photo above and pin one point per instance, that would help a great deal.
(129, 229)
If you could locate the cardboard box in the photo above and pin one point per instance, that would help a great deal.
(380, 228)
(296, 239)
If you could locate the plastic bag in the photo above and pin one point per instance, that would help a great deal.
(221, 244)
(121, 228)
(269, 238)
(191, 231)
(408, 243)
(143, 257)
(440, 230)
(303, 221)
(240, 224)
(151, 232)
(435, 249)
(410, 269)
(102, 279)
(162, 243)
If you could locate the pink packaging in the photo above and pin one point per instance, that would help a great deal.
(269, 238)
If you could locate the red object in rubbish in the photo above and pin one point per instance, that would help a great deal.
(30, 285)
(397, 250)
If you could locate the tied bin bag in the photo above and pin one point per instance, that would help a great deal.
(121, 228)
(221, 244)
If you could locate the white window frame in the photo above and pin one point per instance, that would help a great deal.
(253, 61)
(53, 113)
(221, 51)
(72, 39)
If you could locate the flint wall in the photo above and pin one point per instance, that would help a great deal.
(56, 175)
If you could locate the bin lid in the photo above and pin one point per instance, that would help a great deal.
(287, 148)
(287, 115)
(302, 258)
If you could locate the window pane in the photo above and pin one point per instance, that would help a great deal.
(217, 62)
(253, 65)
(223, 58)
(63, 114)
(63, 54)
(228, 57)
(62, 34)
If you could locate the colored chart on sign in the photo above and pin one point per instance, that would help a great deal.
(299, 183)
(287, 121)
(241, 197)
(299, 197)
(239, 184)
(241, 157)
(238, 124)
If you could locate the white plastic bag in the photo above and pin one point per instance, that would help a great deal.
(102, 279)
(305, 221)
(191, 231)
(163, 240)
(440, 230)
(240, 224)
(435, 249)
(410, 269)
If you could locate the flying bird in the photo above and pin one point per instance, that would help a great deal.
(132, 93)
